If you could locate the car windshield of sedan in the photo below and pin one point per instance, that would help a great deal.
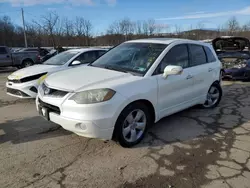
(130, 57)
(61, 59)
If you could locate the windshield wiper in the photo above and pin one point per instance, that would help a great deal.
(115, 68)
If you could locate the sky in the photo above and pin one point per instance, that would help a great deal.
(166, 13)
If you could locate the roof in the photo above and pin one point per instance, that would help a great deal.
(160, 40)
(85, 49)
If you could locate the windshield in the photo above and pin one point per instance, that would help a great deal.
(61, 58)
(130, 57)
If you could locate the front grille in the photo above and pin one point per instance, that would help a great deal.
(16, 92)
(14, 81)
(27, 79)
(33, 77)
(53, 92)
(50, 107)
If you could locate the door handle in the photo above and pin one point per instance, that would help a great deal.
(210, 69)
(189, 77)
(7, 56)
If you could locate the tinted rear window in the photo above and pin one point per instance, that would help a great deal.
(198, 56)
(210, 55)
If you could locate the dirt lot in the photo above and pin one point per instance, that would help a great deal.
(194, 148)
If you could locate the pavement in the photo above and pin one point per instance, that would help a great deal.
(191, 149)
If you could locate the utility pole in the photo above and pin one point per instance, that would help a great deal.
(24, 32)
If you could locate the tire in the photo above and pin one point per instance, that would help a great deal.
(214, 94)
(222, 74)
(27, 63)
(123, 129)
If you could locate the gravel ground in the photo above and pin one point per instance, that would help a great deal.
(194, 148)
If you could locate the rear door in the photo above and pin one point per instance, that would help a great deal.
(201, 70)
(5, 57)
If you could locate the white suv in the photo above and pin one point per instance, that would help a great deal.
(130, 87)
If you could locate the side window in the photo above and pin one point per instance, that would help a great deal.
(100, 53)
(178, 55)
(198, 56)
(87, 57)
(210, 55)
(3, 50)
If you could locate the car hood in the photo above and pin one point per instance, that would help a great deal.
(32, 70)
(87, 77)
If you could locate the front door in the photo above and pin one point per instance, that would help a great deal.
(5, 58)
(176, 91)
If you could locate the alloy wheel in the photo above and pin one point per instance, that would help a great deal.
(134, 125)
(212, 96)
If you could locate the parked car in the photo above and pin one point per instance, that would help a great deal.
(23, 83)
(131, 86)
(18, 59)
(234, 54)
(42, 51)
(52, 53)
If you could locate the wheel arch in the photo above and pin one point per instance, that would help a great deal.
(147, 103)
(27, 59)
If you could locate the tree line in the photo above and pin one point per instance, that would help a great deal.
(52, 30)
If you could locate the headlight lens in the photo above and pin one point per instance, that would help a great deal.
(41, 79)
(93, 96)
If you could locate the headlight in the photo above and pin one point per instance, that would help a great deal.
(93, 96)
(41, 79)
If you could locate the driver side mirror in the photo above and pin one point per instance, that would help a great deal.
(172, 70)
(76, 62)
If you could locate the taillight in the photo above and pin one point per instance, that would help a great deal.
(39, 57)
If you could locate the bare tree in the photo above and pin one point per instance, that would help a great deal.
(114, 28)
(233, 25)
(151, 26)
(50, 22)
(68, 27)
(145, 27)
(177, 29)
(200, 25)
(138, 28)
(6, 30)
(126, 27)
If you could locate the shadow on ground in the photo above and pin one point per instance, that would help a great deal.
(7, 69)
(29, 129)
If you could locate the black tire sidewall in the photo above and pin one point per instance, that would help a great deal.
(118, 135)
(218, 86)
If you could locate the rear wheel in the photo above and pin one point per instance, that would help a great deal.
(132, 124)
(213, 96)
(27, 63)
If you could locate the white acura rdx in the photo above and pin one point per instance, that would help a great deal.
(130, 87)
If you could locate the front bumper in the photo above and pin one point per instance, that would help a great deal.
(92, 120)
(22, 90)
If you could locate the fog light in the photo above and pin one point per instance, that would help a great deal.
(81, 126)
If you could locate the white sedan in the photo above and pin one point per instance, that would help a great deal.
(130, 87)
(24, 82)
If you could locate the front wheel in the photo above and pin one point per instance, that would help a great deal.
(213, 96)
(132, 124)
